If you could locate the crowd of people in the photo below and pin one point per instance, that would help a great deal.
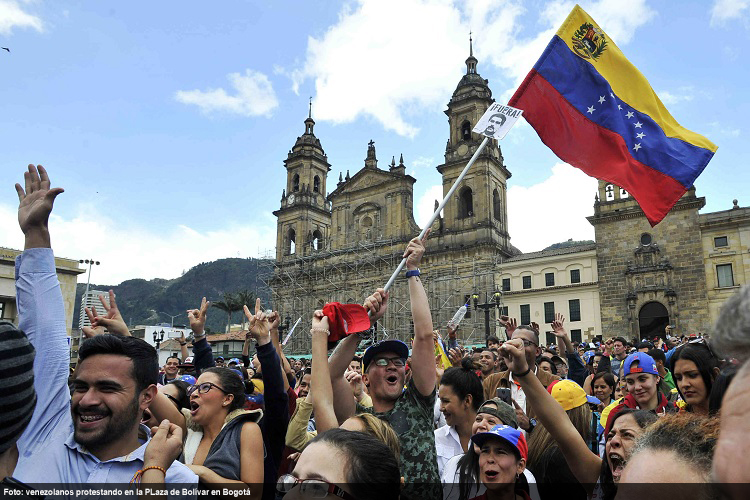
(430, 420)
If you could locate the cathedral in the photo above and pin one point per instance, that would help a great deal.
(632, 281)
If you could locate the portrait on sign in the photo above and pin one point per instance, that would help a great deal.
(497, 120)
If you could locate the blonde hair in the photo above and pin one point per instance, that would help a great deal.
(381, 430)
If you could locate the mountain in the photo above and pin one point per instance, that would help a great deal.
(569, 243)
(140, 301)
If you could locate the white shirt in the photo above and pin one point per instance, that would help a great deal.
(438, 417)
(449, 477)
(517, 393)
(447, 445)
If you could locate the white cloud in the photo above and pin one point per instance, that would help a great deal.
(726, 10)
(682, 94)
(254, 95)
(13, 16)
(425, 206)
(725, 130)
(374, 65)
(129, 251)
(553, 210)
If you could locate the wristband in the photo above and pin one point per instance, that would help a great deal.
(409, 274)
(319, 330)
(183, 343)
(519, 375)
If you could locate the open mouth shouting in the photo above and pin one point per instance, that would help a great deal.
(490, 475)
(392, 379)
(194, 407)
(617, 464)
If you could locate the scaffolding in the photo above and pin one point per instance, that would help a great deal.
(302, 284)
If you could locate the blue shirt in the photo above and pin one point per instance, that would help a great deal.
(48, 453)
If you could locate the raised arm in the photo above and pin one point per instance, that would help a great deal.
(204, 356)
(584, 465)
(275, 319)
(376, 305)
(423, 350)
(41, 312)
(325, 416)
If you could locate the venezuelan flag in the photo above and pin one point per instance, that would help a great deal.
(597, 112)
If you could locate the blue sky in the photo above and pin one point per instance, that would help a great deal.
(167, 122)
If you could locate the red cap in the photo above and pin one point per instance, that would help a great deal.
(345, 319)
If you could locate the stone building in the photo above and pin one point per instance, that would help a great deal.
(633, 281)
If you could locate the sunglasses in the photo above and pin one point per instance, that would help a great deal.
(203, 388)
(311, 488)
(397, 362)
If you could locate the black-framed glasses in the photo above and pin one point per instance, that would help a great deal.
(312, 488)
(174, 400)
(397, 362)
(203, 388)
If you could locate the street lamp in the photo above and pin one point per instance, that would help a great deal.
(158, 338)
(495, 302)
(91, 263)
(171, 316)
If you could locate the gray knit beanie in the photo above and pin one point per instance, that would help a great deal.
(17, 395)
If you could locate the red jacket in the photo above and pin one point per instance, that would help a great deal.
(663, 406)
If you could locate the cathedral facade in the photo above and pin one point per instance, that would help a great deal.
(632, 281)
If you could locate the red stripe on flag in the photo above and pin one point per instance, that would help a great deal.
(599, 152)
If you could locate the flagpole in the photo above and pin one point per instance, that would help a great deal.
(440, 207)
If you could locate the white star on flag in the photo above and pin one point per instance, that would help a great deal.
(640, 135)
(619, 107)
(637, 147)
(601, 99)
(612, 94)
(638, 125)
(591, 110)
(629, 114)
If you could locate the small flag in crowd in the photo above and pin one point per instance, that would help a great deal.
(597, 112)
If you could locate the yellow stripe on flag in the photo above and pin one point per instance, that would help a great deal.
(626, 81)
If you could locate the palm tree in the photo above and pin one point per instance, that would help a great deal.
(244, 298)
(228, 305)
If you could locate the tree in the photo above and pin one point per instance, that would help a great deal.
(244, 298)
(228, 305)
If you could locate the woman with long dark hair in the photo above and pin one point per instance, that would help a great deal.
(695, 367)
(461, 394)
(603, 387)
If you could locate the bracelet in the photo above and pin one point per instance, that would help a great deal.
(319, 330)
(183, 343)
(519, 375)
(409, 274)
(139, 474)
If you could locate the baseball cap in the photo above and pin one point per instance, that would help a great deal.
(384, 346)
(646, 364)
(219, 358)
(504, 411)
(188, 363)
(234, 360)
(345, 319)
(506, 433)
(569, 394)
(189, 379)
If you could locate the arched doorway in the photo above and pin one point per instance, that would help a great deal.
(652, 319)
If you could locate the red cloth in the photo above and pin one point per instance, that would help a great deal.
(345, 319)
(630, 402)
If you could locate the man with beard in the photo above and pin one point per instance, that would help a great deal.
(408, 410)
(93, 438)
(532, 351)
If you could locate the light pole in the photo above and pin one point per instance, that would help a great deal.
(497, 300)
(171, 316)
(91, 263)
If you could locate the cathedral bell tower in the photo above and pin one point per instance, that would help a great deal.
(304, 219)
(477, 213)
